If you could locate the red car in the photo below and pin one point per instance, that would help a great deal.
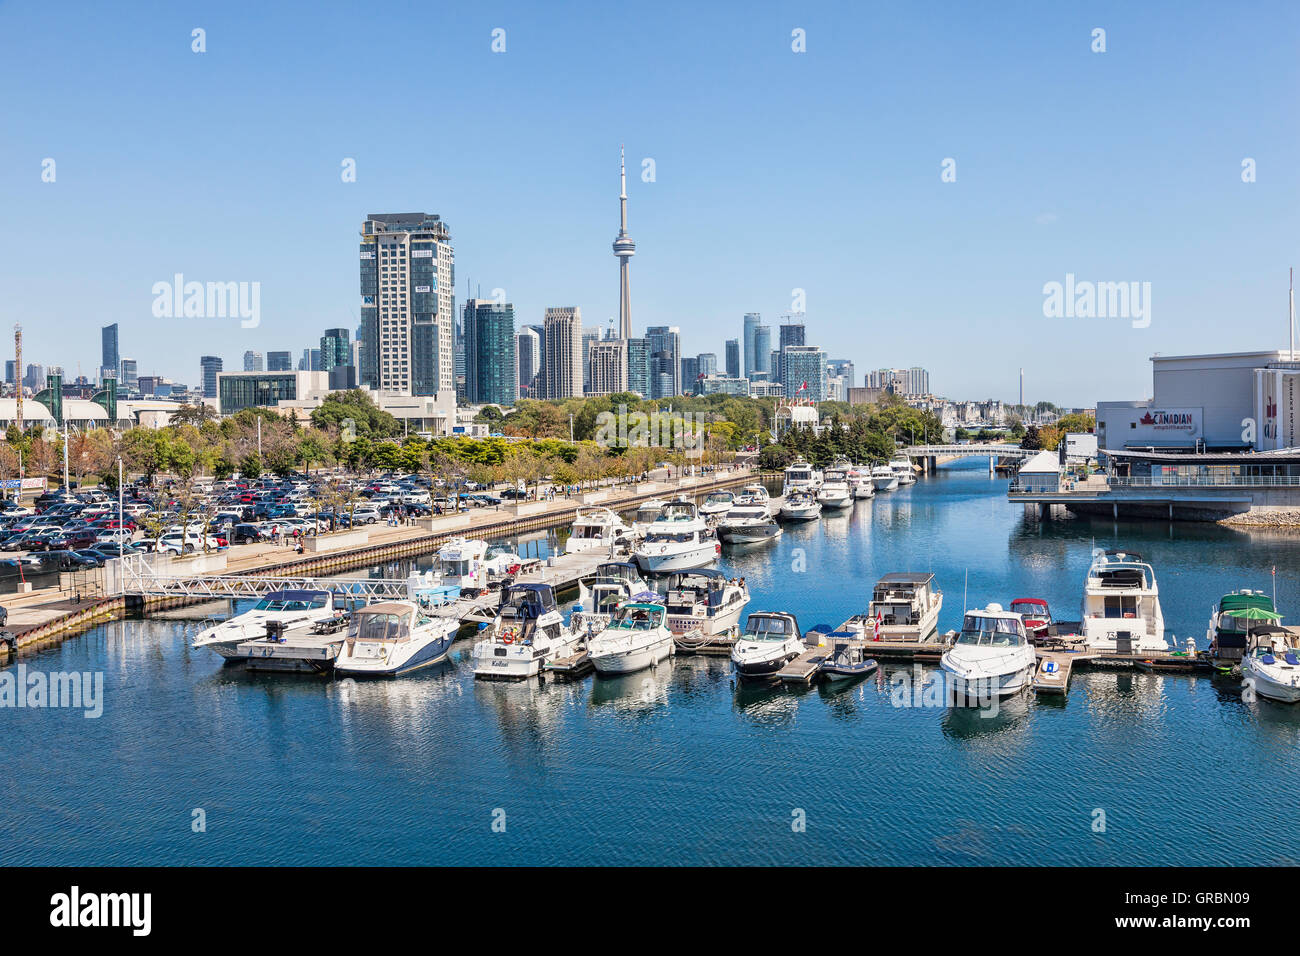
(1035, 613)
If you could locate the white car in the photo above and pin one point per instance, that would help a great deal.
(115, 536)
(185, 544)
(366, 515)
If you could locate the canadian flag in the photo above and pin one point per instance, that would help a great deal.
(803, 387)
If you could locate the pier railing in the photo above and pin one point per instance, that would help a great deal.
(1146, 481)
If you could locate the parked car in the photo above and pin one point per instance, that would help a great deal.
(178, 543)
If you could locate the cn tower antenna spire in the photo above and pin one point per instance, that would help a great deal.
(624, 249)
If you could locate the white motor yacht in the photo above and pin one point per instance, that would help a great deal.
(597, 529)
(614, 583)
(678, 540)
(392, 638)
(800, 506)
(835, 491)
(904, 607)
(991, 658)
(771, 640)
(799, 476)
(291, 609)
(704, 601)
(1271, 664)
(472, 566)
(528, 632)
(902, 466)
(637, 638)
(748, 524)
(1121, 605)
(717, 504)
(753, 495)
(860, 482)
(884, 478)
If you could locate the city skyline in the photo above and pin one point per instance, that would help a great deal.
(876, 241)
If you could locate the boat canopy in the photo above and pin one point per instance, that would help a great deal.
(639, 616)
(390, 621)
(292, 600)
(906, 577)
(528, 600)
(771, 625)
(1239, 600)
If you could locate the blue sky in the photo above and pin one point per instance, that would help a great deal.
(774, 171)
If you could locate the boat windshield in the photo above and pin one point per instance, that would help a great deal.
(273, 603)
(638, 619)
(1029, 608)
(977, 630)
(767, 628)
(378, 627)
(605, 598)
(662, 537)
(457, 568)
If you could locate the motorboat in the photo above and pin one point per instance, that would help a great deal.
(527, 632)
(287, 609)
(848, 659)
(860, 482)
(392, 638)
(753, 495)
(1036, 615)
(651, 508)
(637, 638)
(1232, 619)
(835, 491)
(884, 478)
(771, 640)
(903, 468)
(473, 566)
(597, 529)
(678, 540)
(717, 504)
(904, 607)
(1121, 605)
(1271, 664)
(800, 506)
(800, 476)
(706, 601)
(992, 657)
(613, 583)
(747, 524)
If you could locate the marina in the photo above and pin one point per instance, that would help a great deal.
(570, 712)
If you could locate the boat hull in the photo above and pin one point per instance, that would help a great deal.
(632, 659)
(688, 560)
(425, 654)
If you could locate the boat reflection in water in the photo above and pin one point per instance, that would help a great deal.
(639, 692)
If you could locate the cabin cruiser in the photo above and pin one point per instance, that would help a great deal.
(598, 529)
(678, 540)
(835, 491)
(706, 601)
(1036, 615)
(753, 495)
(884, 478)
(1271, 664)
(747, 524)
(992, 657)
(800, 476)
(902, 466)
(614, 583)
(1121, 605)
(717, 504)
(527, 632)
(472, 566)
(637, 638)
(771, 640)
(800, 506)
(392, 638)
(651, 507)
(1232, 620)
(288, 609)
(904, 607)
(860, 482)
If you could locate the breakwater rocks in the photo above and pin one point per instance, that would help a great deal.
(1265, 519)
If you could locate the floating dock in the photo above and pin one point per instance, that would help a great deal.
(805, 667)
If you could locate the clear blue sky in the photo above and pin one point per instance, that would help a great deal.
(775, 171)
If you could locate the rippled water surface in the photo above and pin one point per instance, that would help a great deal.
(678, 765)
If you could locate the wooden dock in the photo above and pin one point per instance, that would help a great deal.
(1054, 669)
(806, 666)
(573, 666)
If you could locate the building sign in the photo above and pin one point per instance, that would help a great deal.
(1157, 426)
(421, 288)
(24, 484)
(421, 253)
(367, 253)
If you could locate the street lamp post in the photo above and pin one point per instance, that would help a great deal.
(121, 526)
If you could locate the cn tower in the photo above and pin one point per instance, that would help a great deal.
(625, 249)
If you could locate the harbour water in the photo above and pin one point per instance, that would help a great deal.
(678, 765)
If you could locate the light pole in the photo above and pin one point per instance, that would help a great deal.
(259, 439)
(65, 458)
(121, 526)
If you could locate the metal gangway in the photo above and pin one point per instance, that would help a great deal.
(140, 577)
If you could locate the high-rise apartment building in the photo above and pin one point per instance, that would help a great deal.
(130, 374)
(665, 360)
(607, 367)
(752, 321)
(279, 361)
(528, 359)
(589, 336)
(209, 369)
(805, 372)
(638, 366)
(733, 358)
(762, 351)
(335, 349)
(253, 362)
(562, 365)
(407, 304)
(110, 356)
(842, 368)
(489, 330)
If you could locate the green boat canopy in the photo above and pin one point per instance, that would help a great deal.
(1255, 614)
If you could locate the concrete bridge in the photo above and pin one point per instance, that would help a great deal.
(930, 455)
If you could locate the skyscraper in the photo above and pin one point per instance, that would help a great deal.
(279, 361)
(253, 362)
(335, 349)
(310, 361)
(130, 374)
(489, 329)
(690, 372)
(624, 249)
(791, 333)
(589, 337)
(562, 366)
(528, 359)
(733, 358)
(842, 368)
(805, 372)
(752, 321)
(607, 372)
(209, 369)
(638, 366)
(407, 305)
(665, 360)
(110, 357)
(708, 363)
(762, 351)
